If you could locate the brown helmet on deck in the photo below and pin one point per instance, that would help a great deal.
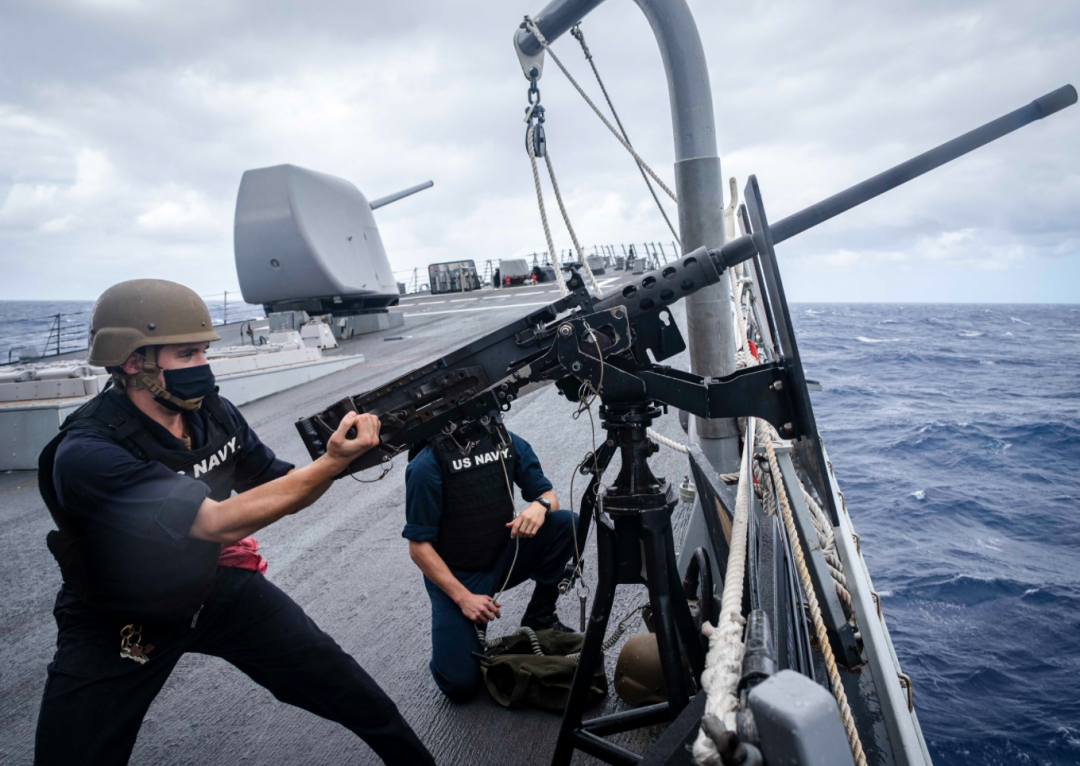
(144, 313)
(639, 674)
(639, 678)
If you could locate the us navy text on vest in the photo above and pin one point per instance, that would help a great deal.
(474, 461)
(208, 464)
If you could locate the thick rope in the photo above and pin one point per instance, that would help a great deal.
(671, 443)
(580, 36)
(724, 660)
(531, 25)
(811, 598)
(563, 290)
(569, 227)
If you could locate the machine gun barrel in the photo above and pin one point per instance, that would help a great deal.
(743, 248)
(489, 373)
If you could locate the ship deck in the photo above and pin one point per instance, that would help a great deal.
(345, 562)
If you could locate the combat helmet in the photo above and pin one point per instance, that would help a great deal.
(639, 677)
(145, 313)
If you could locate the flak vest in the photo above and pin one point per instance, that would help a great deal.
(477, 505)
(118, 574)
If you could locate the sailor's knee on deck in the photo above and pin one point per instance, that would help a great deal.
(459, 678)
(560, 521)
(559, 545)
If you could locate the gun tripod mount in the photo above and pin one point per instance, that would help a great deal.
(634, 546)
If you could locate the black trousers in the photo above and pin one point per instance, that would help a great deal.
(95, 700)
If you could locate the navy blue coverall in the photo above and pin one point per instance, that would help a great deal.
(540, 558)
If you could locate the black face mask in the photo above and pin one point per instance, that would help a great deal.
(187, 383)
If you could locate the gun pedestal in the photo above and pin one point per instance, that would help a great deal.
(634, 546)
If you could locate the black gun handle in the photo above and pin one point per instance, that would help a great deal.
(309, 434)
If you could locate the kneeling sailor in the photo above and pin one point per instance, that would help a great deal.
(464, 537)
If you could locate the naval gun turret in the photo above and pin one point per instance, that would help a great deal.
(308, 242)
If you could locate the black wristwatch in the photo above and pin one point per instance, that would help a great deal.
(544, 502)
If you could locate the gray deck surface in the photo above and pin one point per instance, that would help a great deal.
(345, 562)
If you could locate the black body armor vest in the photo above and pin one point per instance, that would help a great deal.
(127, 577)
(476, 503)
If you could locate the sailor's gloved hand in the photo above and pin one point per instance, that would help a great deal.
(343, 449)
(479, 608)
(529, 521)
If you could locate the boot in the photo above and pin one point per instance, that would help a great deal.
(540, 614)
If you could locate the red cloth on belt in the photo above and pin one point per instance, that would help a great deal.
(243, 555)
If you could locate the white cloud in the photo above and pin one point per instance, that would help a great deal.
(123, 139)
(30, 205)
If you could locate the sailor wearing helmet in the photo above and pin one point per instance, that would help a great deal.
(155, 549)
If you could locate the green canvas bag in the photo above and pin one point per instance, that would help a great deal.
(515, 674)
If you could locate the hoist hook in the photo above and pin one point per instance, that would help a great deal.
(534, 118)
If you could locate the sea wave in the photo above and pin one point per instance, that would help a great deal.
(964, 589)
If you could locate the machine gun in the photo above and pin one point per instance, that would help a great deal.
(610, 347)
(615, 342)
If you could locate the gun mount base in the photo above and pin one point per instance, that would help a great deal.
(634, 546)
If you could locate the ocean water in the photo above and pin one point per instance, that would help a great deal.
(955, 434)
(33, 324)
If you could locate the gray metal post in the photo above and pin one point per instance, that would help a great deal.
(698, 186)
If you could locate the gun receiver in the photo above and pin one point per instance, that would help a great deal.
(606, 342)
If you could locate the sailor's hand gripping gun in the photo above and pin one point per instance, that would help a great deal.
(613, 343)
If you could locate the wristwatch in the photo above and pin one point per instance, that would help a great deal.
(544, 502)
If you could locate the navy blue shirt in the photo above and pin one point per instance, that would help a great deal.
(96, 478)
(423, 488)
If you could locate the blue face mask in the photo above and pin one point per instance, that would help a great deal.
(188, 383)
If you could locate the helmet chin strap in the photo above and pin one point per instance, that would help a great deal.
(147, 378)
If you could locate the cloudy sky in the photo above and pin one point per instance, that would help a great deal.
(125, 126)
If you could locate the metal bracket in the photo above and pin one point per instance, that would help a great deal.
(808, 445)
(528, 63)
